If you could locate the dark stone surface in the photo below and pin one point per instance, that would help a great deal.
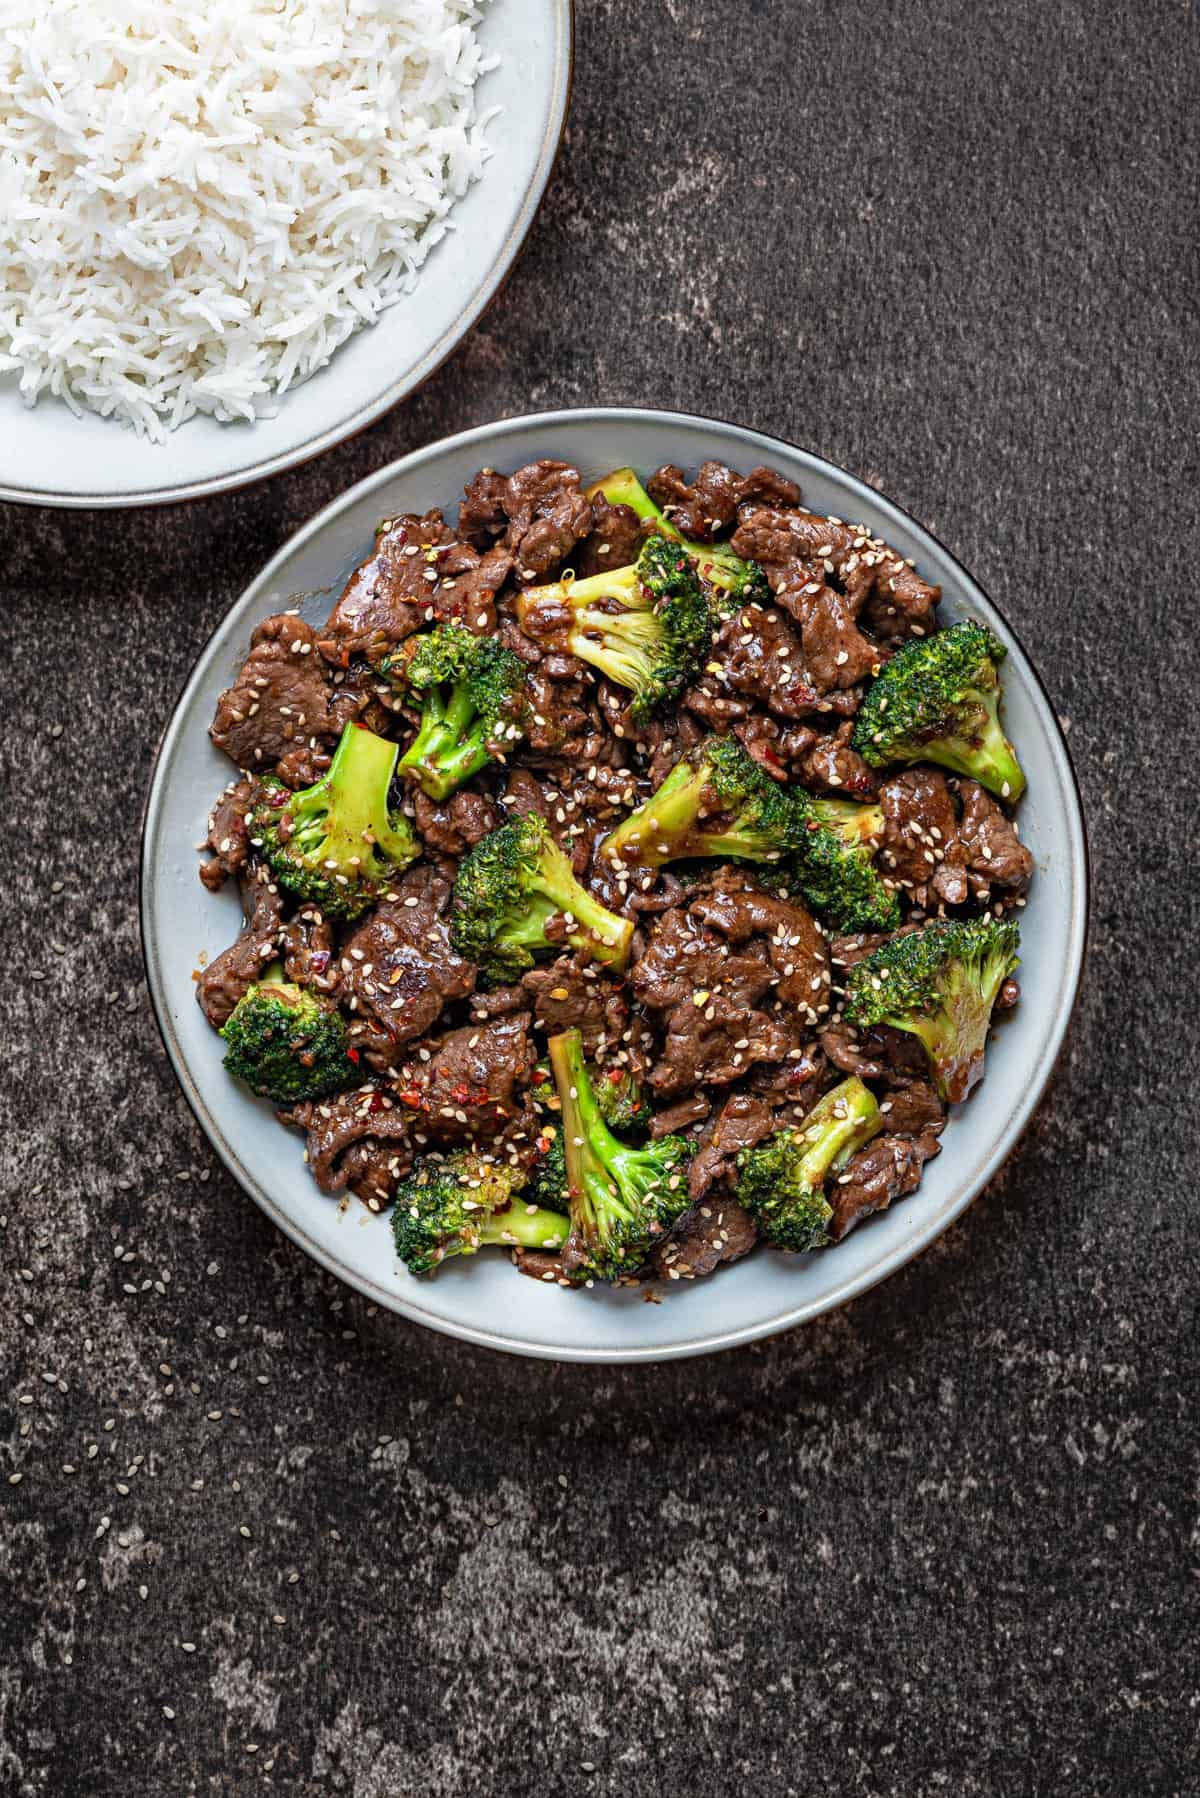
(943, 1543)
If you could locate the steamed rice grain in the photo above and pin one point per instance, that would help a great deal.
(200, 202)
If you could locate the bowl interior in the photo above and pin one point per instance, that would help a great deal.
(483, 1298)
(50, 457)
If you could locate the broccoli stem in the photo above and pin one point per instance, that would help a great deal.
(554, 889)
(650, 836)
(988, 758)
(359, 775)
(588, 1143)
(837, 1126)
(445, 752)
(527, 1226)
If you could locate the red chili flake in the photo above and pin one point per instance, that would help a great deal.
(280, 798)
(354, 1056)
(411, 1096)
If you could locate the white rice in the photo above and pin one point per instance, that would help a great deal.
(199, 202)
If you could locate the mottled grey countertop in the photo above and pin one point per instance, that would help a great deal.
(254, 1534)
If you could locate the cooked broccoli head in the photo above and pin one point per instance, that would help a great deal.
(464, 1203)
(548, 1177)
(473, 707)
(621, 1100)
(716, 801)
(622, 1199)
(647, 627)
(940, 984)
(285, 1044)
(338, 843)
(782, 1182)
(510, 887)
(834, 866)
(736, 581)
(938, 700)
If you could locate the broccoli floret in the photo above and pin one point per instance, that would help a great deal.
(621, 1101)
(647, 627)
(622, 1199)
(338, 843)
(716, 801)
(473, 704)
(736, 581)
(548, 1178)
(285, 1044)
(465, 1203)
(938, 700)
(509, 888)
(834, 869)
(782, 1182)
(940, 984)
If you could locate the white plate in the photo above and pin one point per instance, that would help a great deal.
(49, 457)
(482, 1298)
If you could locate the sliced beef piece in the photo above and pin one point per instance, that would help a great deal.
(615, 540)
(227, 979)
(702, 508)
(710, 996)
(372, 1168)
(386, 598)
(673, 1120)
(309, 951)
(774, 746)
(663, 741)
(743, 1123)
(281, 700)
(913, 1109)
(738, 908)
(473, 1085)
(572, 994)
(229, 834)
(452, 826)
(995, 854)
(467, 586)
(793, 1086)
(836, 654)
(513, 637)
(668, 890)
(547, 516)
(863, 564)
(830, 763)
(481, 516)
(704, 1238)
(499, 1003)
(888, 1168)
(399, 969)
(335, 1126)
(758, 657)
(921, 851)
(561, 721)
(879, 1053)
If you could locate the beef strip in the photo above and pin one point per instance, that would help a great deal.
(921, 851)
(877, 1053)
(995, 854)
(673, 1120)
(547, 516)
(888, 1168)
(913, 1109)
(614, 541)
(830, 763)
(481, 516)
(467, 585)
(452, 826)
(386, 598)
(796, 949)
(708, 994)
(473, 1084)
(282, 699)
(706, 1236)
(864, 565)
(399, 969)
(309, 951)
(703, 508)
(228, 978)
(572, 994)
(744, 1122)
(229, 834)
(336, 1125)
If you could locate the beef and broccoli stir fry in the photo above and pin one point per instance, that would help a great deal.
(629, 874)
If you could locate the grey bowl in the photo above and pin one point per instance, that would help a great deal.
(483, 1299)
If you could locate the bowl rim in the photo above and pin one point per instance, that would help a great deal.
(468, 315)
(803, 1312)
